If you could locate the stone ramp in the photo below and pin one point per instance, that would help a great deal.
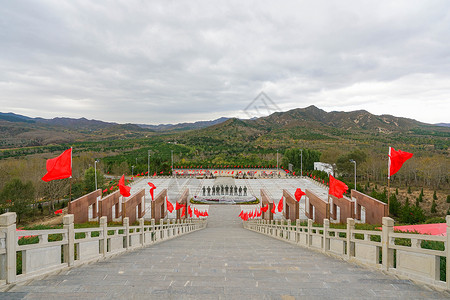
(223, 261)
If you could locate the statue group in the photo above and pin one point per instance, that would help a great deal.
(217, 190)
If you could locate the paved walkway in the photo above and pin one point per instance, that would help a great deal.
(223, 261)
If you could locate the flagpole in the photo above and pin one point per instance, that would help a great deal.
(389, 180)
(70, 189)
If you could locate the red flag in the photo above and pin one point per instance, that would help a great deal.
(273, 209)
(161, 172)
(206, 214)
(152, 188)
(105, 190)
(59, 211)
(242, 212)
(396, 160)
(280, 205)
(59, 167)
(298, 194)
(154, 174)
(265, 208)
(259, 214)
(124, 190)
(337, 187)
(169, 205)
(111, 188)
(182, 213)
(196, 212)
(146, 172)
(178, 205)
(190, 211)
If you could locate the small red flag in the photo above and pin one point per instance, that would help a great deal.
(169, 205)
(59, 167)
(105, 190)
(154, 174)
(265, 208)
(280, 205)
(59, 211)
(124, 190)
(190, 211)
(273, 209)
(396, 160)
(178, 205)
(152, 188)
(242, 212)
(182, 213)
(337, 187)
(111, 188)
(298, 194)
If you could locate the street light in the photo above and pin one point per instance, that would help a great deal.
(171, 154)
(148, 165)
(277, 161)
(301, 162)
(132, 168)
(95, 172)
(353, 161)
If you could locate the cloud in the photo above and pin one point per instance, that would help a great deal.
(165, 62)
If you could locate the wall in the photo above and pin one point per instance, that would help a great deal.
(80, 207)
(265, 200)
(321, 207)
(159, 206)
(106, 205)
(129, 206)
(292, 206)
(346, 208)
(375, 209)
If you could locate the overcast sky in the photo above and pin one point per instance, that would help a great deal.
(173, 61)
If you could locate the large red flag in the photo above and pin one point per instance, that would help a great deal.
(280, 205)
(298, 194)
(124, 190)
(273, 209)
(59, 167)
(190, 211)
(152, 188)
(169, 205)
(182, 213)
(265, 208)
(396, 160)
(337, 187)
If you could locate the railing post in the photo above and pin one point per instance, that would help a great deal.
(69, 250)
(309, 236)
(350, 228)
(104, 241)
(8, 226)
(447, 250)
(288, 231)
(141, 225)
(152, 229)
(297, 230)
(326, 238)
(387, 254)
(126, 224)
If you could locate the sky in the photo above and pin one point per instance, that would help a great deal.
(152, 62)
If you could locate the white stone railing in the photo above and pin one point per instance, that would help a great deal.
(70, 247)
(401, 254)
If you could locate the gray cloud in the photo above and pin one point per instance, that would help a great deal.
(166, 61)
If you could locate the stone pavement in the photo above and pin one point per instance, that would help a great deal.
(223, 261)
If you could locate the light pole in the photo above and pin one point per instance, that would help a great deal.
(354, 162)
(136, 161)
(277, 161)
(301, 162)
(95, 172)
(132, 169)
(148, 165)
(171, 155)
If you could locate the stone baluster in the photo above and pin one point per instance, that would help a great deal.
(350, 245)
(387, 254)
(8, 227)
(104, 235)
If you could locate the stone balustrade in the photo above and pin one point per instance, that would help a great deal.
(54, 249)
(418, 257)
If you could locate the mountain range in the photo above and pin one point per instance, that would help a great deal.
(310, 123)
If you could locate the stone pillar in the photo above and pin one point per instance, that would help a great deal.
(141, 225)
(288, 231)
(8, 260)
(152, 229)
(350, 246)
(104, 237)
(447, 249)
(326, 238)
(69, 251)
(387, 254)
(309, 236)
(126, 224)
(297, 231)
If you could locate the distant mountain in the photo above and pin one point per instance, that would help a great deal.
(183, 126)
(12, 117)
(443, 124)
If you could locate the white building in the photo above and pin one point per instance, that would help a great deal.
(323, 167)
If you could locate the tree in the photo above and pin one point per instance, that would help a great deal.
(433, 207)
(89, 179)
(394, 206)
(434, 196)
(19, 194)
(448, 198)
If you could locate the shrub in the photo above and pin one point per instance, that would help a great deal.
(433, 207)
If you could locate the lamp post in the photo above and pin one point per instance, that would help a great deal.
(354, 162)
(171, 155)
(301, 162)
(95, 172)
(132, 169)
(148, 165)
(277, 161)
